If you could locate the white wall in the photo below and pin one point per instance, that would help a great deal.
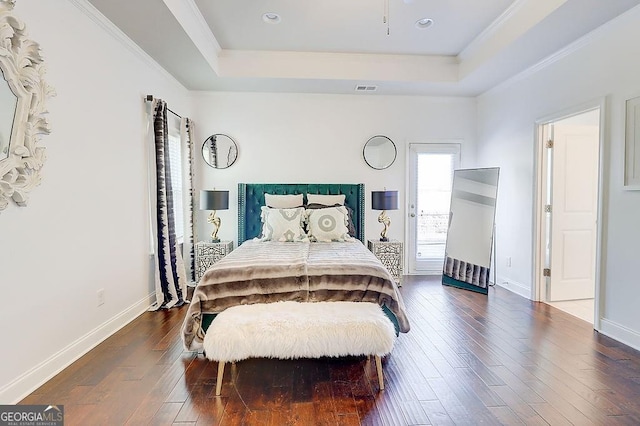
(86, 225)
(319, 138)
(606, 66)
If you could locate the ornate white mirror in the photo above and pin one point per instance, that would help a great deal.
(8, 104)
(379, 152)
(219, 151)
(23, 96)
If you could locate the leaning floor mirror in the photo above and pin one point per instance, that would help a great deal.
(469, 244)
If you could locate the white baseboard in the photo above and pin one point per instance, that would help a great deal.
(26, 383)
(515, 287)
(620, 333)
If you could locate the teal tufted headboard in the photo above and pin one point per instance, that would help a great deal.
(251, 199)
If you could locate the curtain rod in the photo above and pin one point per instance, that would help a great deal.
(149, 98)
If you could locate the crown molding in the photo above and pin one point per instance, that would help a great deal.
(195, 26)
(109, 27)
(580, 43)
(203, 25)
(519, 19)
(491, 30)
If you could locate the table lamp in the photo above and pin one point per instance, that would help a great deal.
(384, 200)
(214, 200)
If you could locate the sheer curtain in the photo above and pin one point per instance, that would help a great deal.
(170, 274)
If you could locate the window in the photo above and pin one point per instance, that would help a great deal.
(433, 200)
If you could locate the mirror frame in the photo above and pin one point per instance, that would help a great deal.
(395, 152)
(205, 159)
(23, 69)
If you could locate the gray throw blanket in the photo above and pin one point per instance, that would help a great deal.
(265, 272)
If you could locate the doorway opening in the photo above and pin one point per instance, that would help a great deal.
(431, 167)
(568, 209)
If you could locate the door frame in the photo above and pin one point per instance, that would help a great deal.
(539, 288)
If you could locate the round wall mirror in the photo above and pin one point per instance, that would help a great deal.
(219, 151)
(379, 152)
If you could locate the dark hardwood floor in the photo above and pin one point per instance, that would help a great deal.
(469, 359)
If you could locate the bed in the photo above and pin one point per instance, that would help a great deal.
(270, 271)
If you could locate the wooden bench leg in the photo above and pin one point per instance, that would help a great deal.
(379, 368)
(220, 375)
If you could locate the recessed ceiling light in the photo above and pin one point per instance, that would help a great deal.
(271, 18)
(424, 23)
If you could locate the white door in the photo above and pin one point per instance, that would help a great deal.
(574, 204)
(431, 168)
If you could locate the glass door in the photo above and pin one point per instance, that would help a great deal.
(430, 179)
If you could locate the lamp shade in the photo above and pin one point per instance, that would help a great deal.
(384, 200)
(214, 200)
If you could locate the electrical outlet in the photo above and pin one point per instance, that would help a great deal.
(509, 262)
(101, 297)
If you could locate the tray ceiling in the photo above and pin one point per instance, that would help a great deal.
(332, 46)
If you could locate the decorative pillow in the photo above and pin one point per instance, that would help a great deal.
(327, 200)
(351, 227)
(283, 225)
(328, 224)
(283, 201)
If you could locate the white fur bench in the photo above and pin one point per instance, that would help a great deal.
(289, 330)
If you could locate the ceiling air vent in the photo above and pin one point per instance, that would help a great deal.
(364, 88)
